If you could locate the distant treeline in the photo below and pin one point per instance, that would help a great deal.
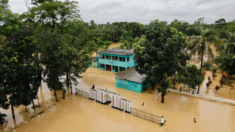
(112, 32)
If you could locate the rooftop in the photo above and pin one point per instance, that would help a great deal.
(131, 75)
(118, 51)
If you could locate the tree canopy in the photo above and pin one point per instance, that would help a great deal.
(158, 56)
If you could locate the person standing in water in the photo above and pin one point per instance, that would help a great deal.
(195, 120)
(143, 104)
(207, 84)
(209, 78)
(162, 121)
(93, 87)
(221, 83)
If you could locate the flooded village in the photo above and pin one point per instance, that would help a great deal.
(76, 113)
(115, 66)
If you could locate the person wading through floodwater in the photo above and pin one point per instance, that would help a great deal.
(93, 87)
(221, 83)
(162, 121)
(217, 88)
(207, 84)
(209, 78)
(195, 120)
(143, 104)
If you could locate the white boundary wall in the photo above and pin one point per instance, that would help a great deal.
(104, 96)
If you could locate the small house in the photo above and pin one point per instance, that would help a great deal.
(131, 80)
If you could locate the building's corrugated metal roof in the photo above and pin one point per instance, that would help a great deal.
(131, 75)
(117, 51)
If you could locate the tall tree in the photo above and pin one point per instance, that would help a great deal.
(18, 71)
(228, 63)
(4, 7)
(191, 76)
(158, 56)
(127, 39)
(61, 18)
(54, 15)
(82, 40)
(101, 45)
(220, 21)
(53, 58)
(181, 26)
(229, 44)
(200, 45)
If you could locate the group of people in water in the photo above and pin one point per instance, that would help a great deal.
(210, 82)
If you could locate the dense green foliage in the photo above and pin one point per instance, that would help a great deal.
(207, 65)
(20, 75)
(159, 56)
(191, 76)
(228, 63)
(64, 43)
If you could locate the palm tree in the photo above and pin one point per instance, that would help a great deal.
(200, 45)
(229, 44)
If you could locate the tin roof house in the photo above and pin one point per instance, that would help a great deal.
(131, 80)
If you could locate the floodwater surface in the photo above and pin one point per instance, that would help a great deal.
(76, 113)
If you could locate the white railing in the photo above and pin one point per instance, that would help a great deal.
(146, 116)
(159, 94)
(82, 93)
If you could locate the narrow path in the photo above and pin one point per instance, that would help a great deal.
(205, 97)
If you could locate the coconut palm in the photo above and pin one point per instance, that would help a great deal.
(200, 45)
(229, 44)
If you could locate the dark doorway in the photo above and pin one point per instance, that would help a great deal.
(108, 67)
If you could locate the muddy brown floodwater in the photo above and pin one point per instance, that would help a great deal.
(78, 114)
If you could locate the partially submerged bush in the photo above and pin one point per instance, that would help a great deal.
(214, 69)
(207, 65)
(2, 119)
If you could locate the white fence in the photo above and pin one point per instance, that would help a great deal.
(82, 93)
(146, 116)
(159, 94)
(104, 96)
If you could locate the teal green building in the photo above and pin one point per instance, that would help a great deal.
(115, 60)
(131, 80)
(121, 61)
